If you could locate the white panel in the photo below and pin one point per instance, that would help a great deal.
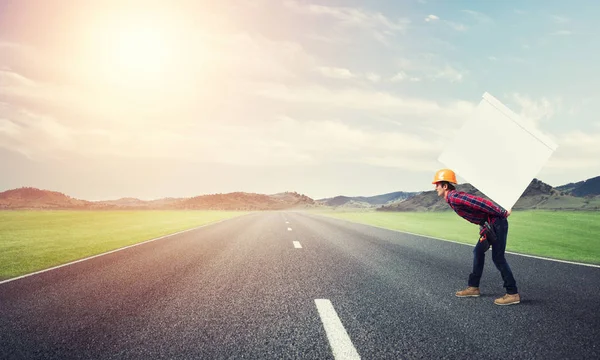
(497, 153)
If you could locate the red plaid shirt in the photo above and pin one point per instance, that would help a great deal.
(473, 208)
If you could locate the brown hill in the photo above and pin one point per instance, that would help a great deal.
(32, 198)
(133, 203)
(246, 201)
(295, 199)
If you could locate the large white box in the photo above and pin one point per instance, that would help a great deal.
(497, 152)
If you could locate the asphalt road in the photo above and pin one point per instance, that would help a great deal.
(288, 285)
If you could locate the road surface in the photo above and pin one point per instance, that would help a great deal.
(291, 285)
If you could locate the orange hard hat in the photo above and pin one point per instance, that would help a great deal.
(444, 175)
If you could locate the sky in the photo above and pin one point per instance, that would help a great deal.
(109, 99)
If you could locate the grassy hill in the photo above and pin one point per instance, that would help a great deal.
(32, 198)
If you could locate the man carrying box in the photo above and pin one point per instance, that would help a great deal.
(493, 231)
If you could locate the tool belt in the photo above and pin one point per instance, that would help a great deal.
(486, 232)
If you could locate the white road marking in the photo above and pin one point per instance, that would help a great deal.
(297, 245)
(340, 342)
(289, 229)
(108, 252)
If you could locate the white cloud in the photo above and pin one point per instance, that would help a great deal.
(262, 57)
(5, 44)
(90, 105)
(399, 77)
(11, 79)
(426, 66)
(405, 63)
(414, 162)
(577, 156)
(346, 74)
(518, 60)
(31, 134)
(8, 45)
(448, 73)
(380, 26)
(360, 99)
(329, 38)
(560, 19)
(479, 17)
(334, 141)
(278, 142)
(9, 128)
(335, 72)
(373, 77)
(41, 136)
(90, 98)
(22, 89)
(582, 142)
(533, 110)
(359, 18)
(562, 32)
(510, 59)
(456, 26)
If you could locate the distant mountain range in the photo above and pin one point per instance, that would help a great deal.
(583, 195)
(589, 187)
(537, 195)
(366, 202)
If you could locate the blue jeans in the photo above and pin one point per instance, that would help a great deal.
(501, 229)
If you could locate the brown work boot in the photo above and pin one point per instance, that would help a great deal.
(470, 291)
(508, 299)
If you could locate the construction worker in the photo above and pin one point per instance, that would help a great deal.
(483, 213)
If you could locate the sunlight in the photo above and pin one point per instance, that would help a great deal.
(143, 51)
(132, 50)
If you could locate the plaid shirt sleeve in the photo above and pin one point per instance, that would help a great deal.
(478, 203)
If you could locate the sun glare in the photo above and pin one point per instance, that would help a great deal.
(139, 57)
(131, 50)
(143, 50)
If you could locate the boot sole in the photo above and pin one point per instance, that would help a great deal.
(510, 303)
(463, 296)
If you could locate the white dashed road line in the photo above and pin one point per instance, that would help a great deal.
(297, 245)
(340, 342)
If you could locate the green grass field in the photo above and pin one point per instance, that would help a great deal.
(565, 235)
(35, 240)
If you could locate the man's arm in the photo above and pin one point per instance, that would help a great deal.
(480, 204)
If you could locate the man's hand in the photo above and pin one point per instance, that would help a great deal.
(508, 212)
